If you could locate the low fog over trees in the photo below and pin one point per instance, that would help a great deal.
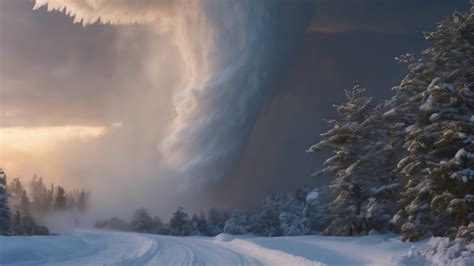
(20, 204)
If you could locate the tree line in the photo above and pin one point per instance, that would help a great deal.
(20, 204)
(180, 224)
(289, 214)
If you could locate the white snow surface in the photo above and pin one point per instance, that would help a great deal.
(102, 247)
(312, 197)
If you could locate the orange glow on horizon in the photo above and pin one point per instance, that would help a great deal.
(33, 150)
(44, 138)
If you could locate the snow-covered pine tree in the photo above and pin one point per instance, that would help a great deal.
(265, 221)
(292, 224)
(179, 224)
(217, 219)
(5, 216)
(199, 225)
(317, 208)
(363, 161)
(202, 225)
(281, 214)
(236, 224)
(194, 225)
(293, 217)
(344, 141)
(433, 108)
(375, 173)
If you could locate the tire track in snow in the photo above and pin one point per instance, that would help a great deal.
(267, 256)
(196, 251)
(102, 247)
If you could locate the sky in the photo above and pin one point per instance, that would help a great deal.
(193, 103)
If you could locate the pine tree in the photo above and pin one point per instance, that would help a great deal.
(180, 224)
(346, 141)
(42, 200)
(362, 162)
(194, 225)
(60, 199)
(5, 216)
(236, 224)
(142, 221)
(292, 224)
(434, 105)
(18, 196)
(24, 224)
(265, 221)
(217, 219)
(202, 225)
(48, 198)
(316, 209)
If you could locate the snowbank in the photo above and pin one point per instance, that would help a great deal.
(440, 251)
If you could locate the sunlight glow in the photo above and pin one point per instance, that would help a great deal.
(45, 138)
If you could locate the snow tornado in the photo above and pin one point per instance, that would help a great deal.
(225, 45)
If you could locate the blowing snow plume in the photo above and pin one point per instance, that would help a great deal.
(228, 49)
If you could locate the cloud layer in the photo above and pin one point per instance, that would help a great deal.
(226, 47)
(185, 79)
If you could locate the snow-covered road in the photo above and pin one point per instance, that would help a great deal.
(96, 247)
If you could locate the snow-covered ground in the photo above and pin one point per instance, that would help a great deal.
(96, 247)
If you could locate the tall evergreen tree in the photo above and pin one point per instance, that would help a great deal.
(236, 224)
(435, 105)
(180, 225)
(42, 200)
(5, 215)
(362, 162)
(19, 199)
(202, 225)
(60, 199)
